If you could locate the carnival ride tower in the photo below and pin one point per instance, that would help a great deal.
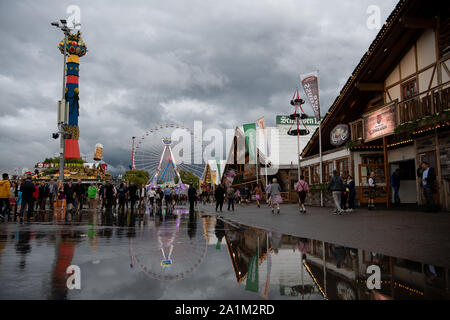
(167, 161)
(75, 49)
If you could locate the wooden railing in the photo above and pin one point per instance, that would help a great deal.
(416, 108)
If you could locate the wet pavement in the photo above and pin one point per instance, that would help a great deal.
(124, 255)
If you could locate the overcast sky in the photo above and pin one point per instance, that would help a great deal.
(150, 62)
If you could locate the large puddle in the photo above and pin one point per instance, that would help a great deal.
(184, 256)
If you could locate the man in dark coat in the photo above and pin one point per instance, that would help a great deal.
(192, 196)
(27, 188)
(219, 194)
(69, 190)
(79, 191)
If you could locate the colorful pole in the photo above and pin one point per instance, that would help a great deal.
(76, 48)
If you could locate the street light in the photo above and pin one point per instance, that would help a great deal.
(62, 124)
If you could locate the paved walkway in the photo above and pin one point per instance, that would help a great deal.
(418, 236)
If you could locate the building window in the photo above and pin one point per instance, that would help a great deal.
(327, 171)
(372, 158)
(356, 130)
(315, 174)
(409, 89)
(342, 167)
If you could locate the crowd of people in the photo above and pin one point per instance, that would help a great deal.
(35, 196)
(29, 197)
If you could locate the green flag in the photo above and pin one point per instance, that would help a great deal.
(250, 141)
(218, 169)
(252, 283)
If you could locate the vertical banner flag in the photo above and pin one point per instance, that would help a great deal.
(218, 169)
(310, 84)
(261, 125)
(250, 141)
(252, 283)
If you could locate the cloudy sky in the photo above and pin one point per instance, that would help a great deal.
(151, 62)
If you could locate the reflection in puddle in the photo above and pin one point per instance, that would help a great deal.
(124, 255)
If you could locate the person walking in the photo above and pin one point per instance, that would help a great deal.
(302, 189)
(62, 197)
(258, 195)
(142, 196)
(230, 196)
(133, 194)
(351, 193)
(43, 195)
(69, 190)
(151, 197)
(219, 194)
(122, 193)
(92, 194)
(372, 191)
(344, 195)
(101, 195)
(109, 195)
(268, 194)
(52, 190)
(27, 187)
(428, 185)
(192, 196)
(336, 187)
(79, 192)
(5, 195)
(36, 196)
(395, 182)
(275, 195)
(12, 199)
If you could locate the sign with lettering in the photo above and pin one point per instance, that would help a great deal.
(339, 134)
(379, 123)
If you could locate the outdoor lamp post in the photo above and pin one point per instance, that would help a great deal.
(62, 106)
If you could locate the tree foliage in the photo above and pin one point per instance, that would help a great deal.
(188, 178)
(137, 176)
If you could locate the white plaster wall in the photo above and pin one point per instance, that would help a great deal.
(395, 93)
(424, 79)
(400, 154)
(393, 77)
(426, 49)
(327, 157)
(408, 63)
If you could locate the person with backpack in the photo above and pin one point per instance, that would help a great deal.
(336, 187)
(230, 197)
(302, 189)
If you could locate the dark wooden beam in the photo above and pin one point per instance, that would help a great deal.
(418, 23)
(370, 86)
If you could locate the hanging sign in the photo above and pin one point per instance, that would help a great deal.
(339, 134)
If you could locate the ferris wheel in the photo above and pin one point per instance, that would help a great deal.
(154, 152)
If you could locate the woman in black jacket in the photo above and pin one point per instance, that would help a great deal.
(351, 193)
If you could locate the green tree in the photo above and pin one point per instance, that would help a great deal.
(137, 176)
(188, 178)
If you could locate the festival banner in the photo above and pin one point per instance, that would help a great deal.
(310, 84)
(260, 124)
(250, 141)
(218, 168)
(252, 283)
(213, 177)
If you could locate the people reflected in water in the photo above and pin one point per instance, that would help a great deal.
(23, 247)
(192, 225)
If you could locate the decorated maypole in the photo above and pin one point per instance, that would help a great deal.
(75, 48)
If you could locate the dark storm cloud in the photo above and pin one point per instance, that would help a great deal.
(222, 62)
